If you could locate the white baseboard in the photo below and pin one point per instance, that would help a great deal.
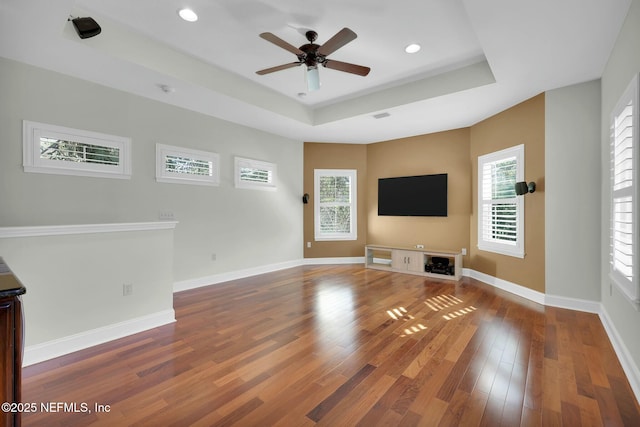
(573, 303)
(337, 260)
(184, 285)
(59, 347)
(505, 285)
(199, 282)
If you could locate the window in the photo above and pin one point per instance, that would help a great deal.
(335, 204)
(501, 212)
(66, 151)
(255, 174)
(186, 166)
(624, 193)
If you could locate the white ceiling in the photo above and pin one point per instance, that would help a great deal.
(478, 57)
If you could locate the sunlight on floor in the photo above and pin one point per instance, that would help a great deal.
(460, 313)
(414, 329)
(442, 302)
(399, 313)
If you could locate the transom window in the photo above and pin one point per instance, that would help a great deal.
(61, 150)
(255, 174)
(186, 166)
(501, 212)
(335, 202)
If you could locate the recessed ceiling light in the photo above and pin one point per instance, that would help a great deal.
(188, 15)
(412, 48)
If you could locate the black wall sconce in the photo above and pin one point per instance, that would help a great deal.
(524, 188)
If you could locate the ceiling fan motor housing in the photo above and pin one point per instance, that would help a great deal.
(310, 57)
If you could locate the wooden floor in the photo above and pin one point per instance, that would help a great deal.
(345, 346)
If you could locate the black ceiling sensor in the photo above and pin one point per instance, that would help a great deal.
(86, 27)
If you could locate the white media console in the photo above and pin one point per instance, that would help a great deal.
(414, 261)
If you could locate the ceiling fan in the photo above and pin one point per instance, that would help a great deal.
(312, 55)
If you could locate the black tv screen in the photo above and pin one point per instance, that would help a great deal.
(424, 195)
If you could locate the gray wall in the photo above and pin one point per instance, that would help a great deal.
(243, 228)
(623, 63)
(74, 284)
(572, 183)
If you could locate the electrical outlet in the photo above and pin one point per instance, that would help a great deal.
(127, 289)
(166, 216)
(419, 246)
(464, 251)
(308, 244)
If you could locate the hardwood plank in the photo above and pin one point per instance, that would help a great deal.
(342, 345)
(330, 402)
(455, 409)
(474, 409)
(571, 415)
(552, 397)
(386, 403)
(531, 417)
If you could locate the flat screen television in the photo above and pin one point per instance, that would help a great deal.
(423, 195)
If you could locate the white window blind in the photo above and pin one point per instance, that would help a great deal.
(255, 174)
(623, 234)
(335, 204)
(73, 151)
(60, 150)
(186, 166)
(501, 212)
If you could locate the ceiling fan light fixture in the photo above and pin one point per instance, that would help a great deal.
(188, 15)
(313, 78)
(412, 48)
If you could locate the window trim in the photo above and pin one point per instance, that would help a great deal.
(629, 288)
(353, 234)
(162, 175)
(32, 162)
(255, 164)
(517, 249)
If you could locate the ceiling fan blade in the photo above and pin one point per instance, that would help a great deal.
(346, 67)
(341, 38)
(278, 68)
(281, 43)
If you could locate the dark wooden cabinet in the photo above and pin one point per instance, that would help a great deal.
(11, 333)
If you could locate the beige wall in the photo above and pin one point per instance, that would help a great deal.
(453, 152)
(335, 156)
(443, 152)
(521, 124)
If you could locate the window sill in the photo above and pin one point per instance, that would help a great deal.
(623, 289)
(502, 251)
(334, 238)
